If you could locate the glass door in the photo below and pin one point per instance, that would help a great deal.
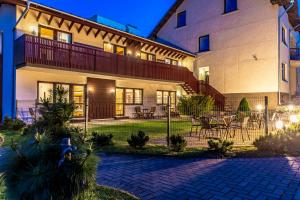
(79, 100)
(119, 102)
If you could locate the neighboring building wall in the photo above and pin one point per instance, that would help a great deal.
(7, 23)
(244, 43)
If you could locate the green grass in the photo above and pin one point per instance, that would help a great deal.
(155, 129)
(10, 135)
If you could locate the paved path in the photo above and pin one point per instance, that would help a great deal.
(182, 179)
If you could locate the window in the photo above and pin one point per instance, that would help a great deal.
(144, 56)
(64, 37)
(132, 96)
(47, 33)
(120, 50)
(230, 6)
(79, 99)
(284, 35)
(45, 91)
(168, 61)
(284, 72)
(174, 62)
(107, 47)
(162, 97)
(66, 88)
(151, 57)
(181, 19)
(204, 43)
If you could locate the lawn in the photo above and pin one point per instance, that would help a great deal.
(155, 129)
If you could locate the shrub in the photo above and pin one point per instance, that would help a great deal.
(29, 130)
(55, 164)
(139, 140)
(195, 105)
(7, 123)
(244, 106)
(102, 139)
(178, 143)
(273, 143)
(17, 125)
(219, 146)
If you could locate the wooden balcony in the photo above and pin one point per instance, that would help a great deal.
(37, 51)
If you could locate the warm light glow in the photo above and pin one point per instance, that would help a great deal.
(138, 54)
(294, 119)
(91, 89)
(179, 63)
(178, 93)
(291, 107)
(129, 52)
(279, 124)
(34, 30)
(259, 107)
(112, 90)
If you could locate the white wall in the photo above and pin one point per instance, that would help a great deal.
(243, 56)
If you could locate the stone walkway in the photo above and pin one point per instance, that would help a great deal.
(186, 179)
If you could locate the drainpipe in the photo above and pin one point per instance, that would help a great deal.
(292, 3)
(14, 65)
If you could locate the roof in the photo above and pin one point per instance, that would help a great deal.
(92, 24)
(113, 24)
(293, 14)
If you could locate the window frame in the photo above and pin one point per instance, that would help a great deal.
(114, 48)
(179, 14)
(284, 72)
(199, 43)
(169, 94)
(134, 89)
(55, 31)
(230, 11)
(284, 35)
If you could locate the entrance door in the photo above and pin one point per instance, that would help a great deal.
(119, 102)
(204, 74)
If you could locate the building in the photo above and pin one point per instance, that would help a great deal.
(102, 63)
(109, 70)
(242, 47)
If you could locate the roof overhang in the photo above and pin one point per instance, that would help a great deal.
(76, 19)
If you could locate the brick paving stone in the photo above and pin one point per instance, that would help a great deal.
(174, 178)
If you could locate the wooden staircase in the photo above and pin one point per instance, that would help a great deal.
(188, 89)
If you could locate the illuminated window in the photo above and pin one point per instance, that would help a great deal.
(47, 33)
(165, 97)
(79, 99)
(45, 91)
(120, 50)
(181, 19)
(67, 89)
(167, 61)
(144, 56)
(174, 62)
(129, 96)
(159, 99)
(230, 6)
(138, 96)
(64, 37)
(151, 57)
(108, 47)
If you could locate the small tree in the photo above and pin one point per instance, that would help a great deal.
(195, 105)
(57, 163)
(244, 105)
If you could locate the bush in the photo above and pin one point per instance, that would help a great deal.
(195, 105)
(139, 140)
(10, 124)
(244, 106)
(178, 143)
(277, 144)
(29, 130)
(102, 139)
(55, 164)
(219, 146)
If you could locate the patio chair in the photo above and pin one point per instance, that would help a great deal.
(138, 112)
(226, 125)
(206, 126)
(242, 126)
(195, 124)
(152, 112)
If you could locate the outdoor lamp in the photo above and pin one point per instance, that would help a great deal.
(291, 107)
(294, 119)
(279, 124)
(259, 107)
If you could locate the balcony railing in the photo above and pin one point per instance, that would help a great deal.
(295, 53)
(44, 52)
(208, 90)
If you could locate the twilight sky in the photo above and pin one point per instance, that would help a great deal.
(143, 14)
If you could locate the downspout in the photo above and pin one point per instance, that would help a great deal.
(24, 13)
(292, 3)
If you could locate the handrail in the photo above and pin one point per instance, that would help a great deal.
(208, 90)
(36, 50)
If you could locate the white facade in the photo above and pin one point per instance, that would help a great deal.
(243, 56)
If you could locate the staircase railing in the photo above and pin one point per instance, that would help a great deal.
(208, 90)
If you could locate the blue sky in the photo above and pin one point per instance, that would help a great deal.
(141, 13)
